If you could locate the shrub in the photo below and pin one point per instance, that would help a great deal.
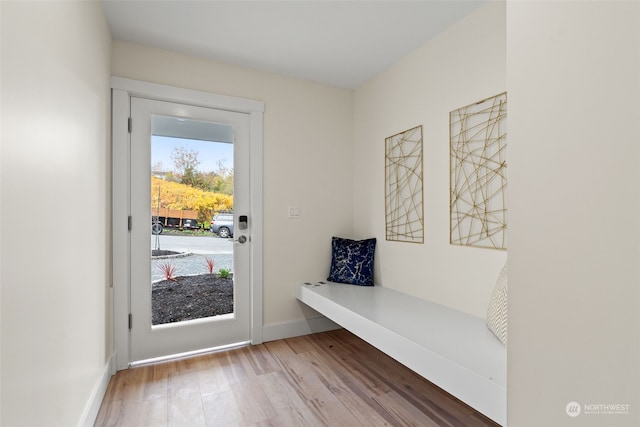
(224, 273)
(210, 264)
(168, 270)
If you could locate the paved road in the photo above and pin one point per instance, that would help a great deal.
(220, 250)
(196, 245)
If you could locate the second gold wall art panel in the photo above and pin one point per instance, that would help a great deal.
(478, 153)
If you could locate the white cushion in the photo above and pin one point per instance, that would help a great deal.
(497, 312)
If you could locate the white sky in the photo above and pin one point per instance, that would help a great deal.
(208, 152)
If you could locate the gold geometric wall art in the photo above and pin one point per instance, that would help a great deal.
(478, 153)
(403, 187)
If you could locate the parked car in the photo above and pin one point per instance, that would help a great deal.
(222, 224)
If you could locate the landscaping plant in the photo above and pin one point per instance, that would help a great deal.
(209, 264)
(168, 270)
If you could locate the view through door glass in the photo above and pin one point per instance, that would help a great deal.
(192, 223)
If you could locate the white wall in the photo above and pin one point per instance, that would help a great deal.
(574, 285)
(464, 64)
(307, 162)
(55, 210)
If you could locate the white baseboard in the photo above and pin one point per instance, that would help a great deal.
(280, 331)
(92, 407)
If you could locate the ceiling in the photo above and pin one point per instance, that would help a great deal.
(339, 43)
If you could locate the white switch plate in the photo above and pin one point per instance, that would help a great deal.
(294, 212)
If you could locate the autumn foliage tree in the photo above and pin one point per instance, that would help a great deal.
(174, 195)
(187, 188)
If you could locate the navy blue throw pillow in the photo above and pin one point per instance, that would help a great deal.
(352, 261)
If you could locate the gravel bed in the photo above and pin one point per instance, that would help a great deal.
(192, 264)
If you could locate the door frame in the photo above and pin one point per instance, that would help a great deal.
(122, 90)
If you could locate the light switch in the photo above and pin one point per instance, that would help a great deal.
(294, 212)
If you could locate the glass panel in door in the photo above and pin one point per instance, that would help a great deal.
(192, 225)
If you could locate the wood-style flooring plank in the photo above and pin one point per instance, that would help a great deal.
(327, 379)
(253, 405)
(184, 399)
(405, 412)
(285, 399)
(301, 344)
(357, 399)
(221, 409)
(322, 401)
(211, 377)
(346, 360)
(155, 382)
(430, 399)
(153, 413)
(260, 360)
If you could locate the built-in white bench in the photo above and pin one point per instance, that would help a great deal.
(452, 349)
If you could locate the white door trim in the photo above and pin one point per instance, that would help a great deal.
(122, 90)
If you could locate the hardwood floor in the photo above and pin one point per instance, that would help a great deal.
(326, 379)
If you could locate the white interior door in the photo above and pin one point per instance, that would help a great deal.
(150, 119)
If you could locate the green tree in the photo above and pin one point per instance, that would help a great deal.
(185, 162)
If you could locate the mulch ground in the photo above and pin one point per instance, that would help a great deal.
(191, 297)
